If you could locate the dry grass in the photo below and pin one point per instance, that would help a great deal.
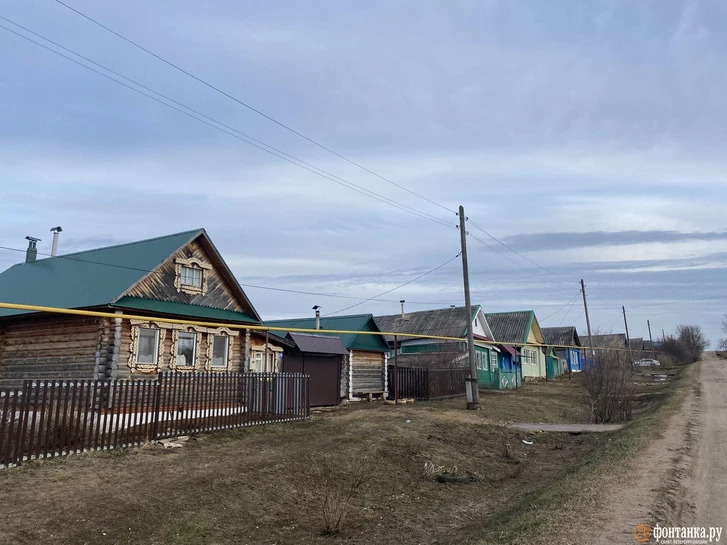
(264, 485)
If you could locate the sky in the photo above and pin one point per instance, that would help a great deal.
(584, 139)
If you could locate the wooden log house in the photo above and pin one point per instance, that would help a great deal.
(179, 276)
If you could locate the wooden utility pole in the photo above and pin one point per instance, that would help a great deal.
(651, 340)
(628, 338)
(473, 394)
(396, 369)
(588, 321)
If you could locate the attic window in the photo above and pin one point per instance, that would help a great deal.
(191, 275)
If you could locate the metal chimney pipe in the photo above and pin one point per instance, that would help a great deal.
(32, 252)
(54, 247)
(318, 316)
(402, 307)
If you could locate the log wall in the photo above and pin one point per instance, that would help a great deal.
(367, 372)
(58, 347)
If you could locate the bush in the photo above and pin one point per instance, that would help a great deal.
(610, 385)
(687, 346)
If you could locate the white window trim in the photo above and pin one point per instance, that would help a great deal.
(221, 332)
(273, 351)
(191, 262)
(173, 365)
(134, 347)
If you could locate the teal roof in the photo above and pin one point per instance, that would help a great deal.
(183, 309)
(87, 279)
(352, 341)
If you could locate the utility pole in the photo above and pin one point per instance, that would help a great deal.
(663, 336)
(588, 321)
(651, 340)
(628, 339)
(473, 394)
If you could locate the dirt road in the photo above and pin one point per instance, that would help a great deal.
(682, 478)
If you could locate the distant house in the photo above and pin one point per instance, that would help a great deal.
(559, 337)
(432, 353)
(611, 340)
(521, 329)
(179, 276)
(363, 373)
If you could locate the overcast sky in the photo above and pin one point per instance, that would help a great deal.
(589, 137)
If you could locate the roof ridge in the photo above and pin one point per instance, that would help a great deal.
(191, 231)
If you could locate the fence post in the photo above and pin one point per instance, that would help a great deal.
(157, 403)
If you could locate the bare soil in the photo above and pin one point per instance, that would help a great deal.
(679, 479)
(269, 484)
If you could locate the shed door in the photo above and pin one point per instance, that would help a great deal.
(324, 371)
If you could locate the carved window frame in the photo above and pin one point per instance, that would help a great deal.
(175, 343)
(265, 350)
(133, 348)
(220, 332)
(192, 262)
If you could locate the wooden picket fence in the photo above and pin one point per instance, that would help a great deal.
(50, 418)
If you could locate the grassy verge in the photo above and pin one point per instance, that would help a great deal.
(538, 518)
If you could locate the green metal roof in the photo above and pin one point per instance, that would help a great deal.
(183, 309)
(352, 341)
(86, 279)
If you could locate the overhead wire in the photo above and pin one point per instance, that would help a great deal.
(218, 125)
(241, 284)
(250, 107)
(288, 127)
(397, 287)
(262, 145)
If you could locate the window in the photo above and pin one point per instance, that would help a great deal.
(186, 345)
(220, 346)
(148, 348)
(191, 276)
(493, 360)
(529, 357)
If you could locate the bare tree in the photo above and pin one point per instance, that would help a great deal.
(722, 343)
(693, 341)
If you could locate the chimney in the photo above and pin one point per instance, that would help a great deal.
(402, 307)
(54, 247)
(318, 316)
(32, 252)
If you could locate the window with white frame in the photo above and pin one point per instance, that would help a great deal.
(191, 276)
(220, 351)
(529, 357)
(493, 360)
(186, 352)
(147, 349)
(265, 361)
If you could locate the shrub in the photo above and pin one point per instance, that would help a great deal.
(610, 386)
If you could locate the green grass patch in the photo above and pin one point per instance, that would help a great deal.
(189, 529)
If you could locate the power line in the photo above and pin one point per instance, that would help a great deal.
(251, 108)
(242, 285)
(288, 128)
(244, 137)
(501, 243)
(215, 124)
(397, 287)
(562, 307)
(569, 309)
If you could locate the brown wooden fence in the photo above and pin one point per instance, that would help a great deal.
(45, 419)
(426, 384)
